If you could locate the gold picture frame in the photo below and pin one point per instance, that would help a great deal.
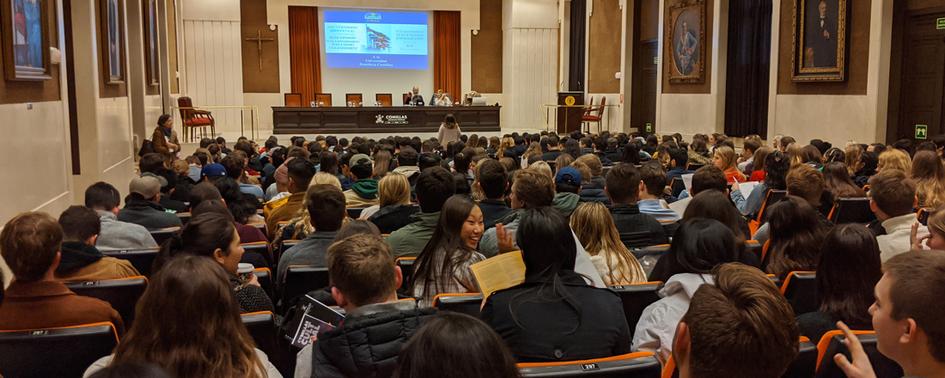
(819, 45)
(685, 42)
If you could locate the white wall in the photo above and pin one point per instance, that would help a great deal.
(530, 62)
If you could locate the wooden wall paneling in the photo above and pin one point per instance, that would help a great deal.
(486, 49)
(254, 24)
(604, 50)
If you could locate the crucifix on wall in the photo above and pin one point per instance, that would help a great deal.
(259, 41)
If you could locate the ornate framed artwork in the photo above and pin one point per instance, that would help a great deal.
(24, 30)
(113, 41)
(685, 38)
(820, 40)
(151, 43)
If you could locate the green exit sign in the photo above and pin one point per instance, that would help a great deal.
(648, 127)
(940, 23)
(921, 132)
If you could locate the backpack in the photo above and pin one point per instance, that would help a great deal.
(147, 147)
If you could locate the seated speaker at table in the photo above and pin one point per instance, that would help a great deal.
(417, 99)
(441, 99)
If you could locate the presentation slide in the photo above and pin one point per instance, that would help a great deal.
(376, 39)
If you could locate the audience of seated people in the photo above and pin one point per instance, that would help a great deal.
(576, 206)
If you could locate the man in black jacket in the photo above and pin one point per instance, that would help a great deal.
(636, 229)
(493, 181)
(141, 206)
(364, 282)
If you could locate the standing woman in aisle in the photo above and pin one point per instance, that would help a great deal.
(449, 130)
(164, 139)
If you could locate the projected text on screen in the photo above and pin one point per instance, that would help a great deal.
(366, 39)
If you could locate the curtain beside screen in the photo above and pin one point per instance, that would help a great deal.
(303, 52)
(446, 53)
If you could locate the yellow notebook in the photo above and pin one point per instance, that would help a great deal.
(499, 272)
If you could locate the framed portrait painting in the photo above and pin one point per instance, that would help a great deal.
(25, 39)
(113, 41)
(685, 36)
(151, 42)
(820, 40)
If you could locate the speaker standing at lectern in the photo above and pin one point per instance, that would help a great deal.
(417, 99)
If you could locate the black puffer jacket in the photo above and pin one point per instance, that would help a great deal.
(366, 346)
(593, 191)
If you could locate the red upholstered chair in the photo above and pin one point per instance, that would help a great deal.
(595, 115)
(407, 97)
(384, 99)
(193, 119)
(323, 99)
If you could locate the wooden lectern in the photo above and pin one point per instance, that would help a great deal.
(570, 110)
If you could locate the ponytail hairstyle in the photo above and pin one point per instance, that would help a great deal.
(203, 234)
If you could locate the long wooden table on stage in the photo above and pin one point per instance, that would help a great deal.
(395, 119)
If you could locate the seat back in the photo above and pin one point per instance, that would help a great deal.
(123, 294)
(852, 210)
(293, 100)
(284, 246)
(160, 235)
(301, 279)
(639, 239)
(800, 289)
(805, 364)
(55, 352)
(264, 276)
(184, 217)
(601, 107)
(354, 99)
(772, 197)
(262, 327)
(186, 108)
(261, 248)
(323, 99)
(406, 269)
(141, 259)
(635, 298)
(467, 303)
(589, 107)
(832, 343)
(384, 99)
(631, 365)
(407, 96)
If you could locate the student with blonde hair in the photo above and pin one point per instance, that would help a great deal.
(725, 159)
(594, 227)
(394, 209)
(894, 158)
(929, 176)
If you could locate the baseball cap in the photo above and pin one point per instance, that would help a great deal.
(147, 186)
(213, 170)
(568, 175)
(359, 159)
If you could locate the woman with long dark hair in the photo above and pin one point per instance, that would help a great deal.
(699, 245)
(797, 232)
(214, 236)
(188, 324)
(837, 181)
(848, 270)
(443, 265)
(555, 315)
(865, 168)
(434, 350)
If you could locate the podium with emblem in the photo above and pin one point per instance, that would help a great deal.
(570, 109)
